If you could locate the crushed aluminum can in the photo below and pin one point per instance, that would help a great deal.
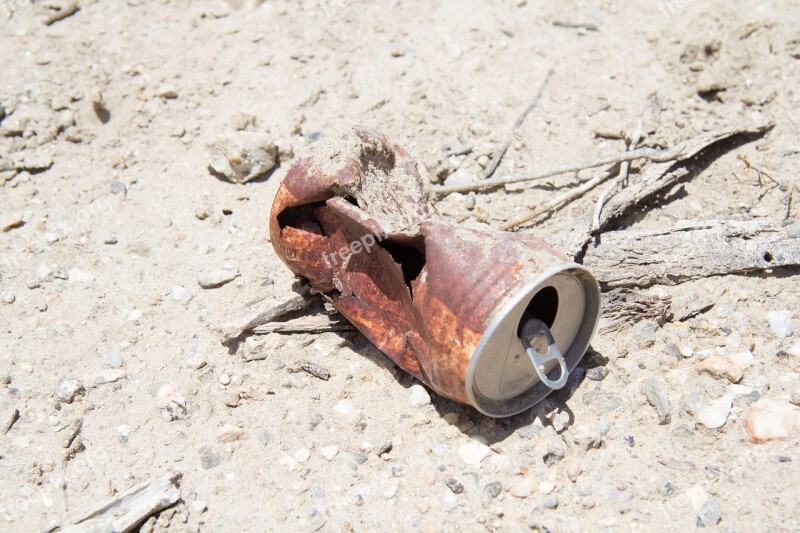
(492, 319)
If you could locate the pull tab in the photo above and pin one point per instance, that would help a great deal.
(537, 332)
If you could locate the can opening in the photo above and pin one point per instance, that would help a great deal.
(543, 305)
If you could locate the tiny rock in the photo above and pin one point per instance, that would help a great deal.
(171, 404)
(572, 469)
(302, 455)
(210, 279)
(473, 452)
(722, 367)
(242, 156)
(522, 488)
(546, 487)
(657, 396)
(780, 323)
(11, 221)
(769, 419)
(181, 294)
(109, 376)
(168, 91)
(330, 452)
(704, 505)
(230, 433)
(68, 389)
(715, 414)
(418, 396)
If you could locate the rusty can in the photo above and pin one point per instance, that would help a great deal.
(492, 319)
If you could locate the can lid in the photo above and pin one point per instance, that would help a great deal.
(556, 314)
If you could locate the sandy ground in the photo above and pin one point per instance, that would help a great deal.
(111, 217)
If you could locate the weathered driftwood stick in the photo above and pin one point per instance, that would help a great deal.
(307, 324)
(663, 161)
(690, 251)
(127, 510)
(652, 181)
(624, 306)
(267, 313)
(495, 162)
(679, 152)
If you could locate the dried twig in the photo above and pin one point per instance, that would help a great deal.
(559, 201)
(127, 510)
(692, 250)
(10, 420)
(67, 10)
(651, 180)
(495, 162)
(621, 177)
(679, 152)
(576, 25)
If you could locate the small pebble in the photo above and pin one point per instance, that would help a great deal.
(232, 398)
(209, 458)
(316, 370)
(473, 452)
(629, 440)
(418, 396)
(302, 455)
(550, 502)
(11, 221)
(171, 404)
(522, 488)
(454, 485)
(546, 487)
(597, 373)
(210, 279)
(68, 389)
(657, 396)
(167, 91)
(715, 414)
(382, 448)
(330, 452)
(780, 323)
(493, 489)
(181, 294)
(114, 359)
(230, 433)
(8, 297)
(722, 367)
(769, 419)
(117, 187)
(225, 379)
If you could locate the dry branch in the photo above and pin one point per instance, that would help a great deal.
(127, 510)
(690, 251)
(651, 183)
(679, 152)
(495, 162)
